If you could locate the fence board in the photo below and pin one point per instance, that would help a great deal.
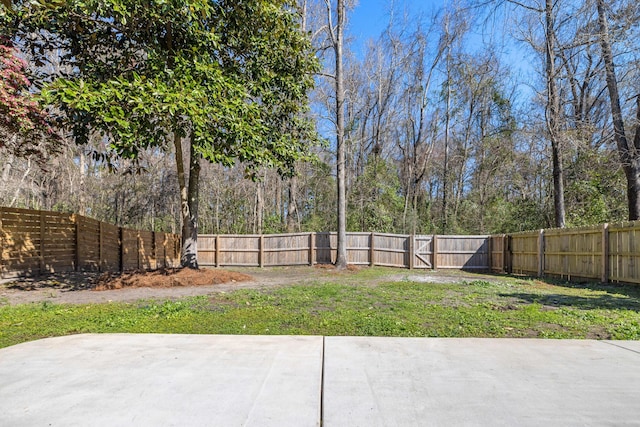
(207, 250)
(391, 250)
(146, 256)
(624, 252)
(239, 250)
(498, 249)
(286, 249)
(463, 252)
(358, 248)
(111, 253)
(524, 252)
(326, 248)
(573, 253)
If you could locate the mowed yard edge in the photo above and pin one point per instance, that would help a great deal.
(368, 302)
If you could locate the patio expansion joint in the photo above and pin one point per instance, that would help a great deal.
(620, 347)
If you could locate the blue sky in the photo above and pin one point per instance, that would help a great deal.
(370, 17)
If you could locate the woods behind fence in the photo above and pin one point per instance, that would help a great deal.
(34, 242)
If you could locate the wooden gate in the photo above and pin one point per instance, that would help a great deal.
(422, 251)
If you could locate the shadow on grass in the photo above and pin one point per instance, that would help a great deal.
(614, 296)
(602, 302)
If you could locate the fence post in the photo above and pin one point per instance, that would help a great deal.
(177, 250)
(217, 250)
(154, 258)
(76, 222)
(412, 250)
(100, 246)
(490, 253)
(312, 247)
(121, 241)
(541, 253)
(434, 264)
(372, 250)
(261, 249)
(509, 254)
(503, 256)
(1, 244)
(165, 257)
(139, 247)
(605, 253)
(42, 228)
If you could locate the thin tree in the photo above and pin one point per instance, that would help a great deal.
(629, 151)
(336, 36)
(553, 114)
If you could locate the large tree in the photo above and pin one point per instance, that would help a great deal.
(222, 80)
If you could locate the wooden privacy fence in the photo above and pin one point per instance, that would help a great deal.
(393, 250)
(33, 242)
(607, 253)
(604, 253)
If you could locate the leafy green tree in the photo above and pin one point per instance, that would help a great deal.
(223, 81)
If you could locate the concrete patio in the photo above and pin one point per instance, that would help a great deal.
(219, 380)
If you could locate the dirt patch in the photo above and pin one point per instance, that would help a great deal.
(78, 287)
(168, 278)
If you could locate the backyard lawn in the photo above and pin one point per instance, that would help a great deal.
(371, 302)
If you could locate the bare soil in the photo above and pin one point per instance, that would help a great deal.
(87, 288)
(168, 278)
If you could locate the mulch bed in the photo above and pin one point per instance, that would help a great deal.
(167, 278)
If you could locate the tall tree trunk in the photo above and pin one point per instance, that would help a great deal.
(629, 154)
(82, 203)
(259, 209)
(293, 224)
(189, 203)
(445, 169)
(341, 259)
(553, 117)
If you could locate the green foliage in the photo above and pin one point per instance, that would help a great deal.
(375, 203)
(513, 216)
(596, 190)
(319, 208)
(231, 76)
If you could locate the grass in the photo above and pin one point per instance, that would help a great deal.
(356, 305)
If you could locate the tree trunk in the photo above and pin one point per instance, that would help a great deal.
(259, 209)
(341, 259)
(445, 168)
(628, 154)
(553, 119)
(189, 203)
(293, 224)
(82, 203)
